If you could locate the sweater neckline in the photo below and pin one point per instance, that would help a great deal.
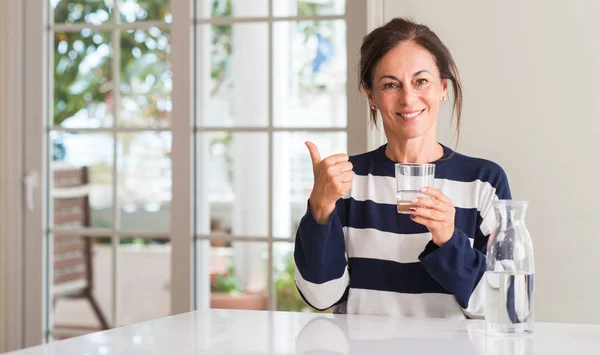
(448, 154)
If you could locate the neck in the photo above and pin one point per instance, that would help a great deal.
(417, 150)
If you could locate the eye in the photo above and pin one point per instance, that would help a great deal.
(421, 82)
(389, 86)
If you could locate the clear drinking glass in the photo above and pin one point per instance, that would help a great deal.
(410, 178)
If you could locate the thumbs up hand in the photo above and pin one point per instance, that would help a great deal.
(333, 178)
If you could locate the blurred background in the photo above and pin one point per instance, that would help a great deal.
(111, 143)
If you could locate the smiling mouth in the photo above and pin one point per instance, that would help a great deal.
(411, 115)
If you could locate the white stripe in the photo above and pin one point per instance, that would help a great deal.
(375, 244)
(379, 189)
(475, 309)
(382, 189)
(432, 305)
(475, 194)
(323, 295)
(488, 223)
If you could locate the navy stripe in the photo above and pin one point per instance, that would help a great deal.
(385, 217)
(341, 211)
(480, 242)
(320, 250)
(385, 275)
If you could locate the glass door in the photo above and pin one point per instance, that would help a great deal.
(269, 75)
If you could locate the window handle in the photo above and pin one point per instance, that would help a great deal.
(31, 182)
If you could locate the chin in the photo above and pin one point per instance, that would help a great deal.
(410, 134)
(407, 131)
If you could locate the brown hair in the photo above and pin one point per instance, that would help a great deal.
(383, 39)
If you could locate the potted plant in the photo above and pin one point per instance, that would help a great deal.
(227, 293)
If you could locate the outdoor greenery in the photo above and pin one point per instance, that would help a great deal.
(83, 63)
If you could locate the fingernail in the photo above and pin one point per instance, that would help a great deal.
(415, 200)
(412, 209)
(412, 216)
(423, 189)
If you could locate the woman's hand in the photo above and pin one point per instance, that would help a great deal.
(437, 214)
(333, 178)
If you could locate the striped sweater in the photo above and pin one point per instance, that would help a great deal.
(369, 259)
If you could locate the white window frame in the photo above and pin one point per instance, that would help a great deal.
(360, 137)
(11, 110)
(361, 14)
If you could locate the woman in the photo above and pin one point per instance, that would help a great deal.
(353, 250)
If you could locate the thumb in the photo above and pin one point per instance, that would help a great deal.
(314, 152)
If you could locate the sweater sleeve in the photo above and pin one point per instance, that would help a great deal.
(322, 276)
(459, 265)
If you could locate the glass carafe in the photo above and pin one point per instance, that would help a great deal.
(509, 278)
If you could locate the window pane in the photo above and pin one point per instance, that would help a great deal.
(81, 264)
(293, 177)
(82, 188)
(82, 79)
(232, 73)
(82, 11)
(145, 10)
(144, 185)
(287, 297)
(237, 274)
(308, 7)
(146, 78)
(309, 74)
(232, 185)
(231, 8)
(144, 280)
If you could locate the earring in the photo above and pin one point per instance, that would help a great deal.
(443, 98)
(373, 108)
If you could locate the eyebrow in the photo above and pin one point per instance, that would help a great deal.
(394, 78)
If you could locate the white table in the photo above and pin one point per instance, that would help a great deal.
(257, 332)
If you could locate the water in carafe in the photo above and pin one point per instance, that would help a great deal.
(509, 279)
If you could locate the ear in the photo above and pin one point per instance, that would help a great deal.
(444, 88)
(370, 96)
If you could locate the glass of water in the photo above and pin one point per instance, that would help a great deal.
(410, 178)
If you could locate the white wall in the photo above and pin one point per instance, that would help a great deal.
(531, 75)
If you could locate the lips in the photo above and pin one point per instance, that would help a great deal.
(410, 115)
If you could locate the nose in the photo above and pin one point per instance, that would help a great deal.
(408, 95)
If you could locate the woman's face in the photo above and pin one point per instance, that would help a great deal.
(407, 90)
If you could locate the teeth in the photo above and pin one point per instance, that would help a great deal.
(410, 115)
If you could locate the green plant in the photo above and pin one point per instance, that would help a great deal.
(226, 283)
(74, 87)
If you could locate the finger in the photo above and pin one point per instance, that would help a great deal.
(314, 153)
(430, 191)
(428, 213)
(347, 176)
(432, 203)
(422, 220)
(336, 158)
(347, 186)
(340, 167)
